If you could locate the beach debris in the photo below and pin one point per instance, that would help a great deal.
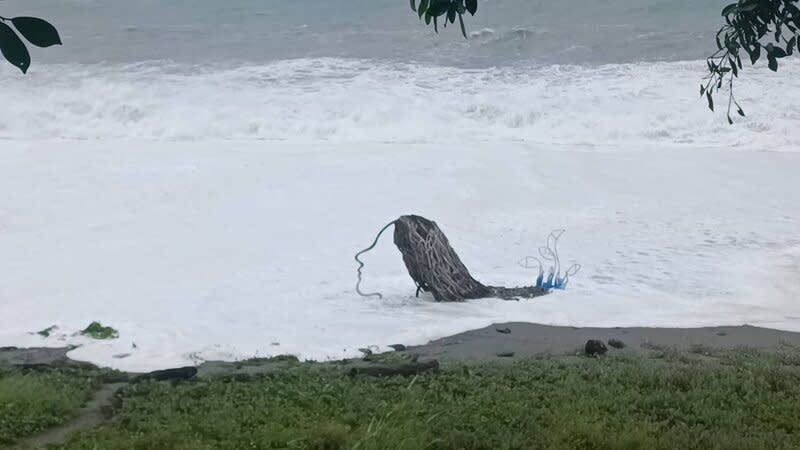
(435, 267)
(552, 279)
(390, 357)
(180, 373)
(595, 347)
(506, 355)
(432, 263)
(404, 368)
(47, 331)
(503, 330)
(616, 343)
(369, 350)
(97, 331)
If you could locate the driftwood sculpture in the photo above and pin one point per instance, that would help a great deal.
(432, 263)
(436, 268)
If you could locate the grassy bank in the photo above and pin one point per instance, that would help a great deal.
(33, 400)
(666, 399)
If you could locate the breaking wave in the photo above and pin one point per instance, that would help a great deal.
(334, 99)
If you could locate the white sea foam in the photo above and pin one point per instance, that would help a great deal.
(198, 251)
(340, 100)
(209, 208)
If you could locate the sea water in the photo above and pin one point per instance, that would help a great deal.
(199, 174)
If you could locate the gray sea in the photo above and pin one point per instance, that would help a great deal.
(505, 32)
(591, 72)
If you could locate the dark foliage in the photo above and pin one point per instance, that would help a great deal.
(37, 31)
(432, 10)
(750, 27)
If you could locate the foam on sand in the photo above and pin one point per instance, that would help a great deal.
(197, 251)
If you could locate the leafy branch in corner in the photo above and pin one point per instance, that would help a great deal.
(748, 24)
(37, 31)
(431, 10)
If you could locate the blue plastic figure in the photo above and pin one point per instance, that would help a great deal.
(550, 253)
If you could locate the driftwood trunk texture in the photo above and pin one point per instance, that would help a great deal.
(436, 268)
(432, 263)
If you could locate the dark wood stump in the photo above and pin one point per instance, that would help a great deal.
(432, 263)
(436, 268)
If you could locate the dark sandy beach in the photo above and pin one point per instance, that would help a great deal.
(518, 340)
(528, 339)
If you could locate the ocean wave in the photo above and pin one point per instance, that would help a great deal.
(514, 34)
(483, 32)
(363, 100)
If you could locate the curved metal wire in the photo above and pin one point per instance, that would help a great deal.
(361, 264)
(549, 253)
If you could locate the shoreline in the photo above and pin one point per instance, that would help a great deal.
(508, 342)
(529, 339)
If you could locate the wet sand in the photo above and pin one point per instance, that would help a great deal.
(523, 340)
(527, 339)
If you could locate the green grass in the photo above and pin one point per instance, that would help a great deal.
(31, 401)
(47, 331)
(97, 331)
(671, 400)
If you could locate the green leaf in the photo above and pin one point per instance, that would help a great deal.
(778, 52)
(423, 7)
(790, 45)
(730, 121)
(702, 90)
(756, 53)
(732, 8)
(773, 63)
(438, 7)
(461, 22)
(13, 48)
(472, 6)
(414, 5)
(739, 110)
(710, 101)
(37, 31)
(451, 13)
(748, 6)
(733, 67)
